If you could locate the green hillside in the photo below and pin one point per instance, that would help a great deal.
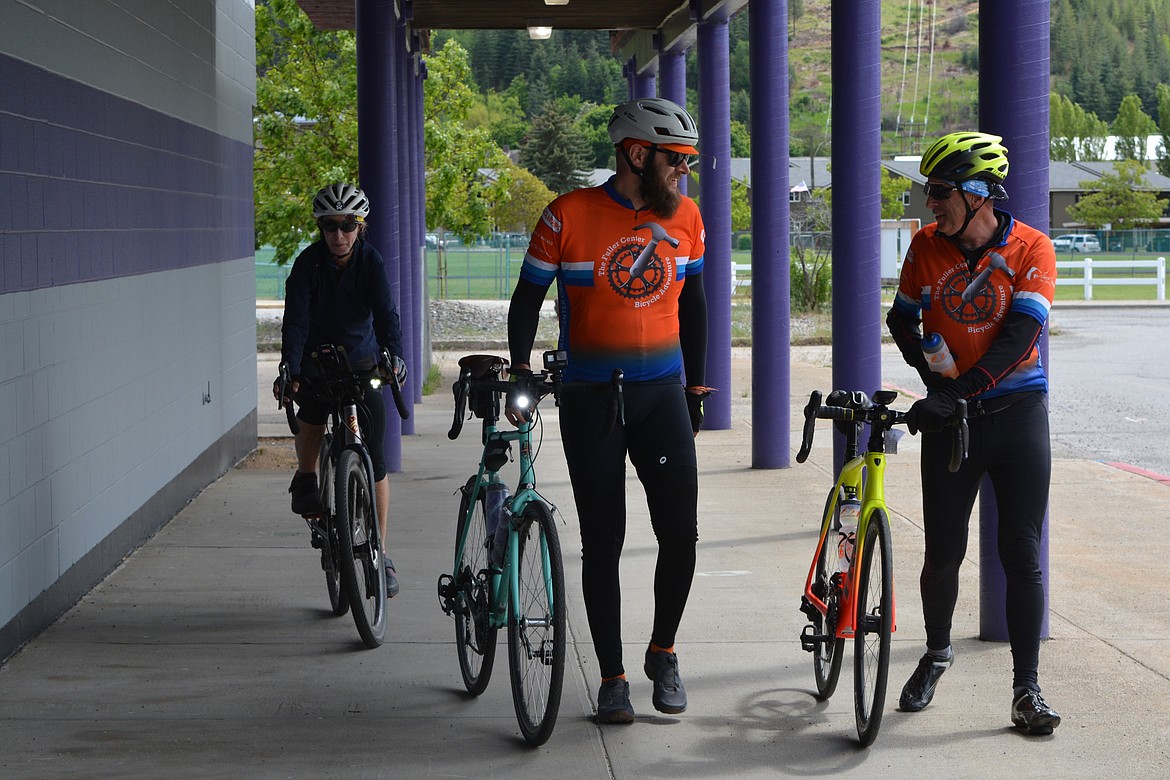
(929, 57)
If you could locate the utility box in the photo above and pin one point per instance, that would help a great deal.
(896, 235)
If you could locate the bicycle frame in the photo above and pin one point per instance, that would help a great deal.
(864, 476)
(505, 601)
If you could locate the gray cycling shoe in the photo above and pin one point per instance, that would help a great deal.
(613, 702)
(391, 579)
(669, 694)
(306, 499)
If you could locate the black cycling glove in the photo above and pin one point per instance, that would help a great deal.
(695, 408)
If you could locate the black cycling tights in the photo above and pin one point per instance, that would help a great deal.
(1012, 447)
(658, 438)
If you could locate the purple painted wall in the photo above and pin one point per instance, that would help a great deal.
(99, 187)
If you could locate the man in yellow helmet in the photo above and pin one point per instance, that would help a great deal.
(984, 282)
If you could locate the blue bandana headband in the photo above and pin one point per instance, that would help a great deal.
(976, 187)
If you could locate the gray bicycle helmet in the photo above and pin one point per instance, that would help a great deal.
(341, 200)
(656, 120)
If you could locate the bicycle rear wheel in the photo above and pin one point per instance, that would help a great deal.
(875, 624)
(827, 655)
(363, 570)
(475, 640)
(536, 636)
(330, 564)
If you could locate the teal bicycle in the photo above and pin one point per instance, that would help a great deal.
(508, 568)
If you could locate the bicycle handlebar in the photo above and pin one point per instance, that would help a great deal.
(878, 414)
(339, 382)
(535, 385)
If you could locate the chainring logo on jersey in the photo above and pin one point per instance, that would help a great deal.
(634, 269)
(553, 223)
(976, 302)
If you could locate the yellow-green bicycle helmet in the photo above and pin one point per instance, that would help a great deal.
(966, 155)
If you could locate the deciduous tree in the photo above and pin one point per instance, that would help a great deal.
(305, 121)
(1116, 199)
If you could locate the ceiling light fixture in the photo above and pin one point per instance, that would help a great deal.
(556, 2)
(540, 29)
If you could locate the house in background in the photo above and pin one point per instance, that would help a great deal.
(1064, 189)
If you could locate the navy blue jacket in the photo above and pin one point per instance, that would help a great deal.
(353, 308)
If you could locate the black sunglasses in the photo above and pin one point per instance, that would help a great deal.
(675, 159)
(329, 226)
(938, 191)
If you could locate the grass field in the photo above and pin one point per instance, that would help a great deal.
(490, 274)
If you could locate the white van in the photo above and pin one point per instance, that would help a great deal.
(1076, 242)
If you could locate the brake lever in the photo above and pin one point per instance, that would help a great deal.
(810, 425)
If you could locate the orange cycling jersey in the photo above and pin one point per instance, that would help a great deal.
(619, 272)
(967, 304)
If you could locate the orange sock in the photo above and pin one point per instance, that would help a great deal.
(656, 649)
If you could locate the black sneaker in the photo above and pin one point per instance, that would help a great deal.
(613, 702)
(669, 695)
(306, 500)
(919, 689)
(391, 580)
(1031, 713)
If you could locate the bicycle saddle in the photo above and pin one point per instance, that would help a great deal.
(482, 366)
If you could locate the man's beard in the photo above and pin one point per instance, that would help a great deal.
(660, 197)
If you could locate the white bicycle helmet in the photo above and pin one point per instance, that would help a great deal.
(341, 200)
(656, 120)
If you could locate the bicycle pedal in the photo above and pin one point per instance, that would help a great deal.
(447, 591)
(810, 611)
(810, 640)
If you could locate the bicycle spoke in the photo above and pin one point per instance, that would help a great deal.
(874, 627)
(475, 640)
(536, 636)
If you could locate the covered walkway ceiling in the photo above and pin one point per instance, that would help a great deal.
(633, 25)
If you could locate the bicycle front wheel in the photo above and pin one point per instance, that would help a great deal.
(330, 564)
(875, 624)
(536, 636)
(363, 570)
(475, 639)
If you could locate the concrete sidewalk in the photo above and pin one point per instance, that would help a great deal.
(211, 651)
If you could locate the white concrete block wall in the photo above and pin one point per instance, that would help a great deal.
(109, 406)
(105, 362)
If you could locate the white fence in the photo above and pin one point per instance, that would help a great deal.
(1088, 265)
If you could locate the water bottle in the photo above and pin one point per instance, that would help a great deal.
(938, 355)
(848, 511)
(496, 510)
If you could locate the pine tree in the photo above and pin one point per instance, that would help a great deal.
(556, 150)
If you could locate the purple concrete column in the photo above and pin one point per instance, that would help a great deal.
(856, 157)
(644, 85)
(771, 375)
(1013, 103)
(715, 202)
(378, 161)
(672, 85)
(406, 250)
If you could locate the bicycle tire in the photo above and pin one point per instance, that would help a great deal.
(828, 654)
(536, 636)
(363, 570)
(475, 639)
(330, 563)
(874, 624)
